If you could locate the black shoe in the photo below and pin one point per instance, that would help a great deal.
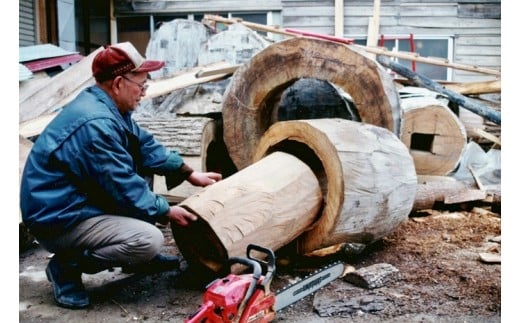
(65, 277)
(158, 264)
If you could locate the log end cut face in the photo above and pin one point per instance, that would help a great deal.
(252, 97)
(434, 135)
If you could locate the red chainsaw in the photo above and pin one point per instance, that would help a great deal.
(248, 298)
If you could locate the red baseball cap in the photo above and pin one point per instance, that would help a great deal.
(120, 59)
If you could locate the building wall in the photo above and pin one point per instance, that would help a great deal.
(27, 26)
(186, 6)
(475, 26)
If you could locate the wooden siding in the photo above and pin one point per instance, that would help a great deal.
(475, 25)
(194, 6)
(26, 28)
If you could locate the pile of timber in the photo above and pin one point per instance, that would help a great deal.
(356, 173)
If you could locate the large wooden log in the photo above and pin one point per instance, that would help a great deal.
(251, 100)
(214, 155)
(182, 134)
(366, 173)
(259, 204)
(434, 135)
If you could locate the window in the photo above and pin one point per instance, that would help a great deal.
(426, 46)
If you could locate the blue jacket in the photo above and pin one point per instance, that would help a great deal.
(91, 160)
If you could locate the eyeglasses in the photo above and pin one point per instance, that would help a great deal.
(143, 87)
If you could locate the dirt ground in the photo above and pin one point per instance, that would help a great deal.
(441, 279)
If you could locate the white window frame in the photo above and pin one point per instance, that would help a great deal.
(403, 37)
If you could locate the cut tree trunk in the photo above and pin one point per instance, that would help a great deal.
(313, 182)
(366, 173)
(251, 100)
(182, 134)
(433, 134)
(257, 205)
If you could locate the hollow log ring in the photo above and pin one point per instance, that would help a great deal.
(368, 180)
(250, 100)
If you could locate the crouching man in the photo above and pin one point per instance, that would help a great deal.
(84, 192)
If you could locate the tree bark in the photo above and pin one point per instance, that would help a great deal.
(182, 134)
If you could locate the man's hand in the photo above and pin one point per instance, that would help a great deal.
(204, 179)
(180, 215)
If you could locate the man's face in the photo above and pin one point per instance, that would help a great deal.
(133, 88)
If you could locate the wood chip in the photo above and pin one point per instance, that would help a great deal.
(490, 258)
(372, 276)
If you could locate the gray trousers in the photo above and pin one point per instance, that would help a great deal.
(112, 238)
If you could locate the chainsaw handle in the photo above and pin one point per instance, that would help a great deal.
(257, 269)
(270, 259)
(269, 263)
(257, 273)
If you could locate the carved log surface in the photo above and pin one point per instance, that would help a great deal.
(366, 173)
(250, 101)
(269, 203)
(434, 135)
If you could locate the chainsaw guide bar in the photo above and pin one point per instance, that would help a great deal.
(308, 285)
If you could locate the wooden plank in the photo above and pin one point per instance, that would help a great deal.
(185, 78)
(58, 90)
(32, 85)
(373, 26)
(482, 110)
(35, 126)
(487, 135)
(428, 60)
(466, 88)
(216, 71)
(338, 18)
(456, 197)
